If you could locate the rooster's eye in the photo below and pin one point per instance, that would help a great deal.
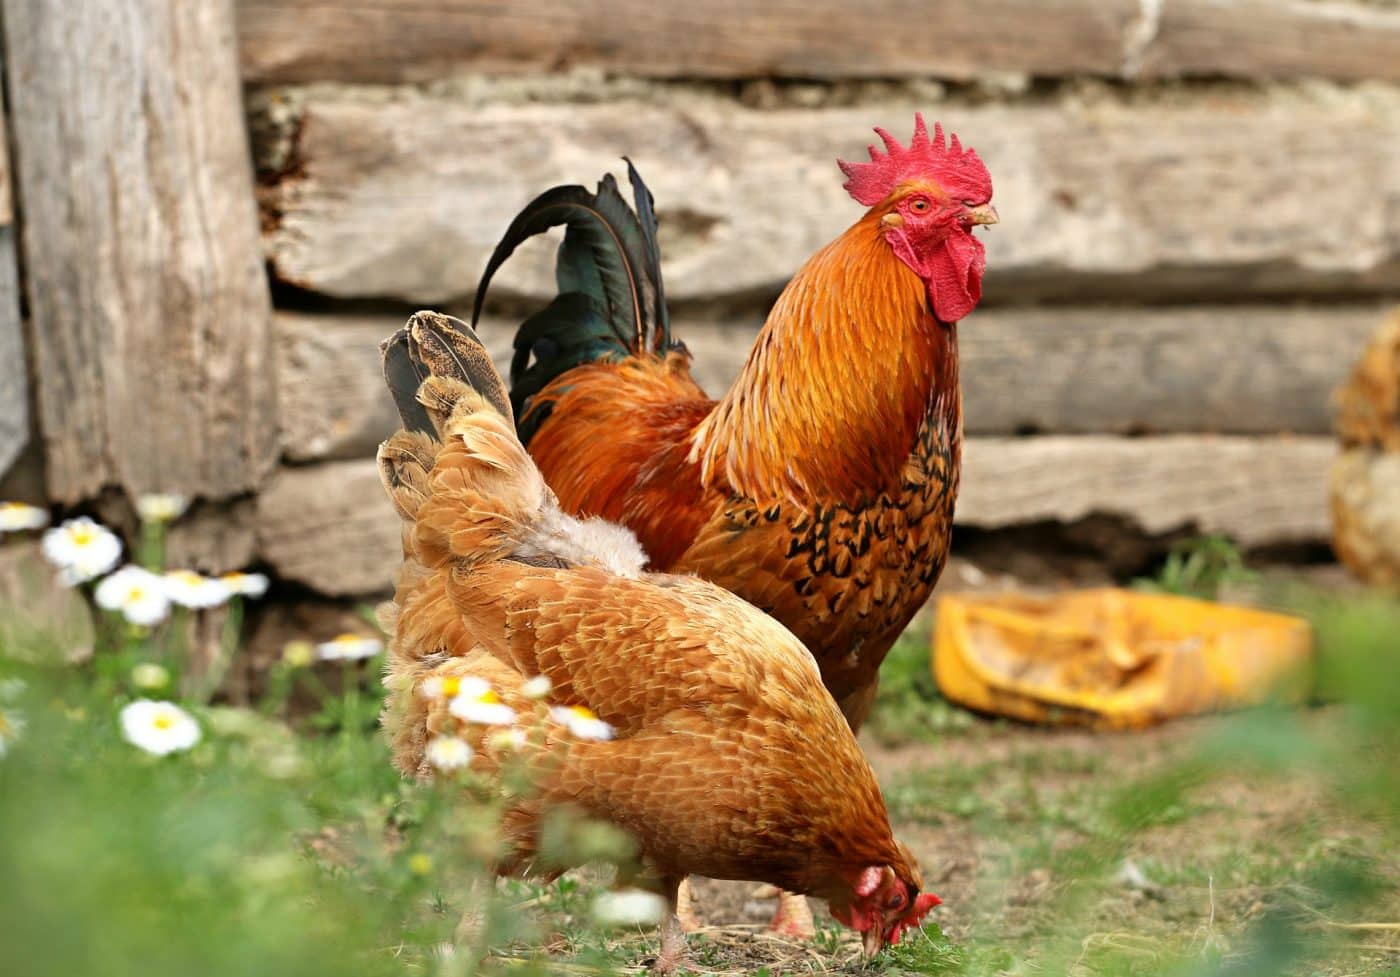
(919, 205)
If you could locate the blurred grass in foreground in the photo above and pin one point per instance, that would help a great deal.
(288, 849)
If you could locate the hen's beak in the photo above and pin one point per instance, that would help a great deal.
(873, 939)
(986, 214)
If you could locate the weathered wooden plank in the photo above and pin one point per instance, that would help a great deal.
(405, 197)
(1273, 39)
(331, 528)
(14, 382)
(1255, 490)
(1223, 369)
(409, 40)
(150, 308)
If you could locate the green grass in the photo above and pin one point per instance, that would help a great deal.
(285, 843)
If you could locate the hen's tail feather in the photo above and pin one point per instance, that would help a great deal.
(436, 345)
(460, 475)
(611, 301)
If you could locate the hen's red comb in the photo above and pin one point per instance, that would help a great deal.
(958, 170)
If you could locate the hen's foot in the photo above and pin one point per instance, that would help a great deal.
(672, 954)
(793, 918)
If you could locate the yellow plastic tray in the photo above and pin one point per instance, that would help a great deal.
(1115, 658)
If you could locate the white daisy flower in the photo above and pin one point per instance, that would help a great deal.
(245, 584)
(629, 907)
(149, 675)
(448, 752)
(451, 686)
(81, 549)
(537, 687)
(483, 707)
(582, 722)
(348, 647)
(161, 506)
(138, 593)
(507, 739)
(11, 725)
(158, 727)
(15, 516)
(190, 589)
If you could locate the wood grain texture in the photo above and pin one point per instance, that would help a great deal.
(14, 381)
(1222, 369)
(1255, 490)
(149, 302)
(405, 196)
(410, 40)
(331, 527)
(413, 40)
(1273, 39)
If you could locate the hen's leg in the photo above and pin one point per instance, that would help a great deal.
(672, 953)
(793, 918)
(685, 909)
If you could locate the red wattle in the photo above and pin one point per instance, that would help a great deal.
(953, 275)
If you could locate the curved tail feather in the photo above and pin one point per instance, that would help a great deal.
(611, 302)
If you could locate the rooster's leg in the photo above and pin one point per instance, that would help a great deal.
(672, 953)
(685, 909)
(793, 918)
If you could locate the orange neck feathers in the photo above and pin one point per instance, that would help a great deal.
(843, 373)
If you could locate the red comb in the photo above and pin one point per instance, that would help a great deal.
(958, 170)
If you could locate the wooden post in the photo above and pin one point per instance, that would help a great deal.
(14, 387)
(149, 310)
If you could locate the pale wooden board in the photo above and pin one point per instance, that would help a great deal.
(1255, 490)
(331, 527)
(404, 194)
(14, 381)
(1274, 39)
(149, 302)
(1227, 369)
(414, 40)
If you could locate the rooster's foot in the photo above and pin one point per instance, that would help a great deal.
(793, 918)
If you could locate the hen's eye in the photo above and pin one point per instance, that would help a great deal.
(919, 205)
(896, 901)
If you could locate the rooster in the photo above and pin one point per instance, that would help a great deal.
(728, 758)
(820, 487)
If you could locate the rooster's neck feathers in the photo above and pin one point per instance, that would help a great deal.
(844, 372)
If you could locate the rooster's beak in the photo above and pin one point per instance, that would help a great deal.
(986, 214)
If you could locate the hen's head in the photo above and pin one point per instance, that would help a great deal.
(928, 196)
(883, 901)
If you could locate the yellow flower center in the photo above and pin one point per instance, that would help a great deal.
(83, 536)
(135, 594)
(451, 685)
(489, 697)
(163, 722)
(583, 712)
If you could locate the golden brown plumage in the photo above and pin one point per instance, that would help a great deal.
(729, 759)
(820, 488)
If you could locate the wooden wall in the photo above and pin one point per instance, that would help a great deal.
(1200, 206)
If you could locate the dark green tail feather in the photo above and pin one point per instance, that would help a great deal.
(611, 302)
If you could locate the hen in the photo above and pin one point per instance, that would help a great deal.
(728, 758)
